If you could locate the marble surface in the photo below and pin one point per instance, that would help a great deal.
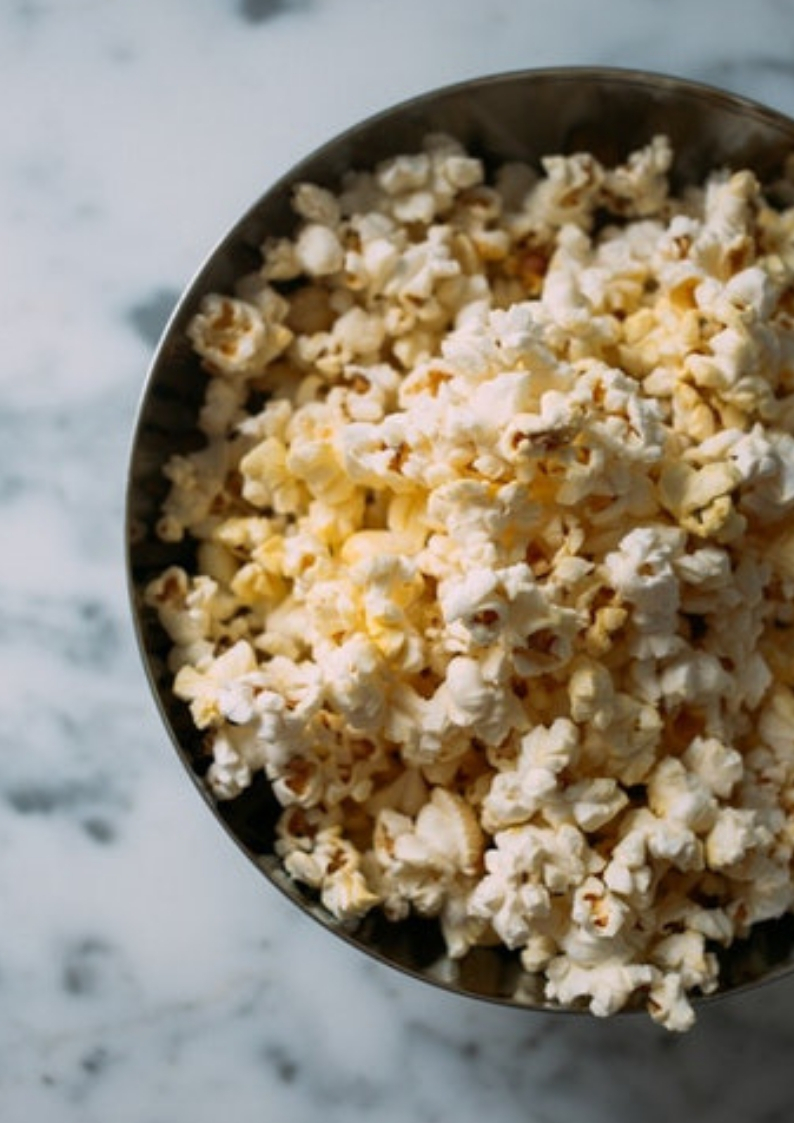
(147, 973)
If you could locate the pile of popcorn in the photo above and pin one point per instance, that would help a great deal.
(495, 564)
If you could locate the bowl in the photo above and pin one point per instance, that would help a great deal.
(514, 116)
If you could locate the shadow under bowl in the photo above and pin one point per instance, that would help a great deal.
(521, 116)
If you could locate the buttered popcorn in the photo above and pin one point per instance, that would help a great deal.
(495, 568)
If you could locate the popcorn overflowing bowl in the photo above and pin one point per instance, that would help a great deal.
(460, 539)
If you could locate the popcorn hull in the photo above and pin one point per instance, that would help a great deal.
(518, 116)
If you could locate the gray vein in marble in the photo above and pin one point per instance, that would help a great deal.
(149, 316)
(29, 11)
(753, 72)
(283, 1061)
(80, 629)
(94, 808)
(262, 11)
(85, 967)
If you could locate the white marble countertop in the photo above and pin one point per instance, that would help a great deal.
(147, 973)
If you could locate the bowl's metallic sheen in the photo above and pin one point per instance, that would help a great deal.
(524, 116)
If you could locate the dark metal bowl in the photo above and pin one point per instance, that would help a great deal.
(515, 116)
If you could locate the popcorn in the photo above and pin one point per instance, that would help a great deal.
(186, 608)
(641, 573)
(607, 987)
(494, 581)
(525, 868)
(266, 481)
(230, 773)
(520, 791)
(701, 499)
(596, 911)
(596, 802)
(333, 867)
(236, 338)
(428, 859)
(718, 767)
(197, 487)
(351, 673)
(676, 795)
(318, 251)
(222, 690)
(734, 833)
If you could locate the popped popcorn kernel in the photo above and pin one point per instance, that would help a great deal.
(235, 337)
(494, 576)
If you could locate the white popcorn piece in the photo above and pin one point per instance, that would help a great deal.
(222, 407)
(524, 868)
(266, 480)
(476, 602)
(641, 572)
(598, 912)
(316, 204)
(734, 833)
(716, 765)
(669, 1004)
(642, 182)
(430, 861)
(404, 173)
(230, 773)
(493, 575)
(519, 792)
(333, 866)
(678, 796)
(596, 802)
(187, 608)
(284, 707)
(197, 486)
(318, 250)
(234, 337)
(606, 987)
(351, 674)
(223, 690)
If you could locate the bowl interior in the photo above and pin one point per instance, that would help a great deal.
(522, 116)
